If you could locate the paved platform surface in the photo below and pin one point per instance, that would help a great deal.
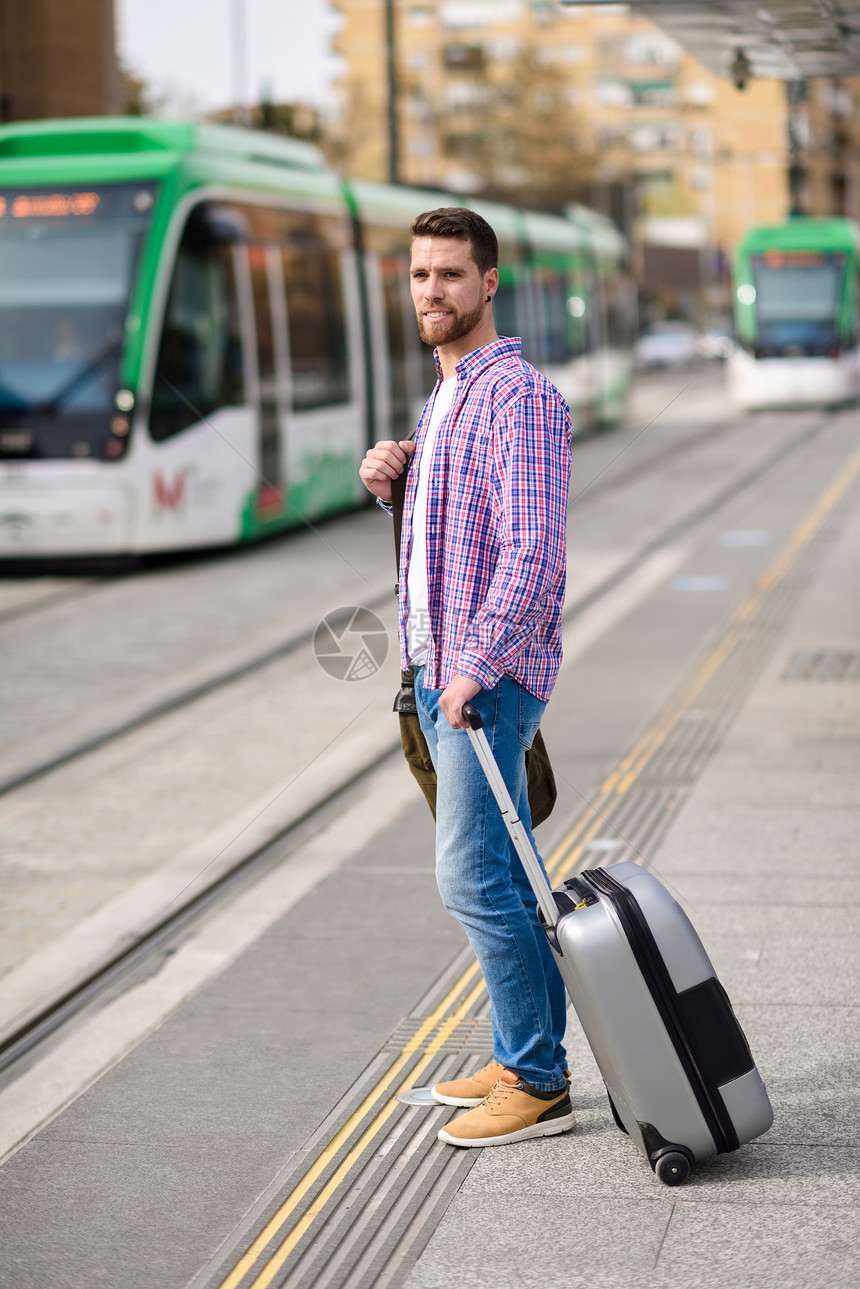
(151, 1131)
(767, 856)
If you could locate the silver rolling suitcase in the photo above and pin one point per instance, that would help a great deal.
(677, 1067)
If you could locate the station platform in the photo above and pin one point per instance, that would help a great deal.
(766, 857)
(229, 1117)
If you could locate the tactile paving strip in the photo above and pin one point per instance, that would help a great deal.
(823, 664)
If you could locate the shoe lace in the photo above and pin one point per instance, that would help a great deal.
(499, 1092)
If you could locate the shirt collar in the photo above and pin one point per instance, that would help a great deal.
(479, 359)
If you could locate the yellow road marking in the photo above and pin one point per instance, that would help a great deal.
(564, 856)
(284, 1251)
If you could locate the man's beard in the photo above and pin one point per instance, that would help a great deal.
(457, 326)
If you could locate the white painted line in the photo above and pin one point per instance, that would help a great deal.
(742, 537)
(700, 582)
(77, 1062)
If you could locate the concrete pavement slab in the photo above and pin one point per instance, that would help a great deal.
(533, 1242)
(805, 1245)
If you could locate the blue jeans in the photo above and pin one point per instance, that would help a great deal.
(482, 881)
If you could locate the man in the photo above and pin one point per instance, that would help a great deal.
(481, 590)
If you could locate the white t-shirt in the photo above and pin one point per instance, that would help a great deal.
(417, 596)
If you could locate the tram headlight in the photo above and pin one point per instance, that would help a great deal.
(746, 293)
(124, 399)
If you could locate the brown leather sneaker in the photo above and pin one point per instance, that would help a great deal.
(470, 1091)
(510, 1113)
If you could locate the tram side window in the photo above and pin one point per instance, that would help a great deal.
(392, 270)
(199, 367)
(553, 289)
(317, 325)
(505, 309)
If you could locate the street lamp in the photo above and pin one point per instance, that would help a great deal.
(740, 69)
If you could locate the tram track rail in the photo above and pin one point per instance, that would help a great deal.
(26, 606)
(152, 938)
(166, 929)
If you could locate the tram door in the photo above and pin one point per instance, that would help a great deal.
(270, 327)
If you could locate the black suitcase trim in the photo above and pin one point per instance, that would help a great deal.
(690, 1053)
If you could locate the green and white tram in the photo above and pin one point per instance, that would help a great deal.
(797, 315)
(203, 327)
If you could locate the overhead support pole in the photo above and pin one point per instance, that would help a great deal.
(795, 94)
(241, 114)
(391, 67)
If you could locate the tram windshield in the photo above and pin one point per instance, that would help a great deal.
(67, 262)
(797, 300)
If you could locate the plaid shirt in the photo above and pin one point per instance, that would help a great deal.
(496, 525)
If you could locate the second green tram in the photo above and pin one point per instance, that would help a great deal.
(202, 328)
(797, 315)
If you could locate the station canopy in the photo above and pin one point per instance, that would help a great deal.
(781, 39)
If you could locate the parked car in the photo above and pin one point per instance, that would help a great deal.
(666, 344)
(714, 343)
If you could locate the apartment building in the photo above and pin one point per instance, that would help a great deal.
(57, 58)
(526, 99)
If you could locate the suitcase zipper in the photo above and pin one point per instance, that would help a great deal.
(664, 994)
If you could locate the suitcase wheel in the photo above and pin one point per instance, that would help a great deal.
(672, 1168)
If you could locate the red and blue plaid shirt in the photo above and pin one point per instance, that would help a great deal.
(496, 525)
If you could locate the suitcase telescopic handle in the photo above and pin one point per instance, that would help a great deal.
(516, 828)
(473, 716)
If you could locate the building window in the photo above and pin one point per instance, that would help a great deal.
(702, 142)
(457, 15)
(464, 58)
(613, 93)
(650, 49)
(653, 93)
(653, 138)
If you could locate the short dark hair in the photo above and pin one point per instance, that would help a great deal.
(466, 226)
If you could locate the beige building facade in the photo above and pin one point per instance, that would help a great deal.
(57, 58)
(529, 100)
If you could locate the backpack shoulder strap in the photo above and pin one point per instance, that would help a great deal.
(398, 497)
